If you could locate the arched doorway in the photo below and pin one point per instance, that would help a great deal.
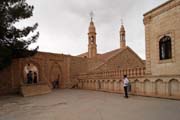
(55, 76)
(31, 74)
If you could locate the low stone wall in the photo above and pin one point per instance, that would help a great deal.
(154, 86)
(35, 89)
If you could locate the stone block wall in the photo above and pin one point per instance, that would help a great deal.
(126, 59)
(49, 67)
(163, 87)
(163, 21)
(32, 90)
(9, 83)
(77, 65)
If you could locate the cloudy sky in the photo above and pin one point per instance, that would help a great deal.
(63, 24)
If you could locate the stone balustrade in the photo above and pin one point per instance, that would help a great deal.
(135, 72)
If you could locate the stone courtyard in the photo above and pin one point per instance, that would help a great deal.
(74, 104)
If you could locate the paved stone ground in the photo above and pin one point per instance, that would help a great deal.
(72, 104)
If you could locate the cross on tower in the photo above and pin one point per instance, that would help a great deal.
(91, 15)
(121, 21)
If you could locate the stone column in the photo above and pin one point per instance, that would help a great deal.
(147, 21)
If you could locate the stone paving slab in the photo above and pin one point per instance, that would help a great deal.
(73, 104)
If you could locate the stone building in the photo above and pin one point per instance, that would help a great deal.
(161, 77)
(158, 76)
(162, 34)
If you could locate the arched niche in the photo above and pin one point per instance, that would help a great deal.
(99, 82)
(113, 85)
(147, 87)
(173, 87)
(102, 84)
(136, 88)
(159, 87)
(31, 74)
(55, 77)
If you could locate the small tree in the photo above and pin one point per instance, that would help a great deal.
(14, 42)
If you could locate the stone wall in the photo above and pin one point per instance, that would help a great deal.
(77, 65)
(163, 21)
(32, 90)
(164, 87)
(6, 83)
(49, 66)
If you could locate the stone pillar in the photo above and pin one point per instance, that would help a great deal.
(96, 84)
(147, 21)
(113, 85)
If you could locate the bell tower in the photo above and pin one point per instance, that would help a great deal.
(122, 36)
(92, 47)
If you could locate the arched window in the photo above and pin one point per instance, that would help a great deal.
(165, 51)
(92, 39)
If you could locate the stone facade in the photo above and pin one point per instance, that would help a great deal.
(163, 21)
(164, 73)
(161, 77)
(49, 67)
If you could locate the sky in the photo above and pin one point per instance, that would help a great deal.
(63, 24)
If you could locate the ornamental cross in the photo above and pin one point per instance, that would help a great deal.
(121, 21)
(91, 15)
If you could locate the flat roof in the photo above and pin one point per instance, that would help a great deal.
(157, 7)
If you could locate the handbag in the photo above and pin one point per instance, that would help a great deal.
(129, 87)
